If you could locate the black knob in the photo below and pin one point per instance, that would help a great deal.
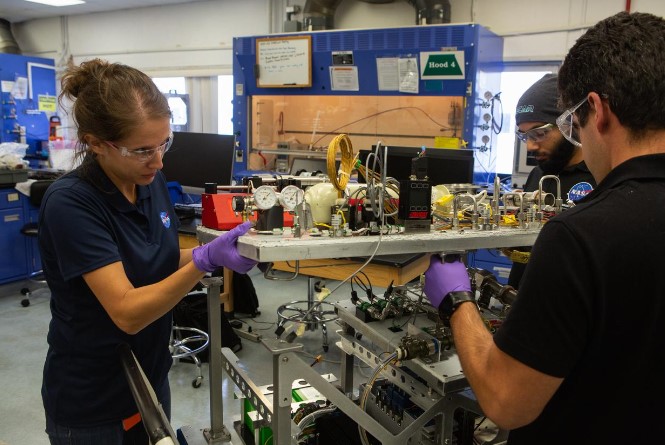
(238, 203)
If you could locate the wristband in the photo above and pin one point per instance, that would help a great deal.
(450, 303)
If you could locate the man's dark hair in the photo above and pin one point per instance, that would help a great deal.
(621, 57)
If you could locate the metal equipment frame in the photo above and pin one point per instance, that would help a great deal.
(450, 393)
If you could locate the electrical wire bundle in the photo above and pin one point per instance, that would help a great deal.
(443, 220)
(379, 185)
(305, 418)
(377, 209)
(340, 177)
(391, 359)
(389, 204)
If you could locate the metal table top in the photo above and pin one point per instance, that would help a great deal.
(271, 248)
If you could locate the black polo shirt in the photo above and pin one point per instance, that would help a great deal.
(576, 182)
(598, 321)
(84, 227)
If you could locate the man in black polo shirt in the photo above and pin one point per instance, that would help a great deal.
(535, 117)
(580, 357)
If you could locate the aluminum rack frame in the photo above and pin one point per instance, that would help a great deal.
(271, 248)
(286, 363)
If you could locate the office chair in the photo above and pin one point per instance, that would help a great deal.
(187, 343)
(188, 335)
(305, 313)
(31, 229)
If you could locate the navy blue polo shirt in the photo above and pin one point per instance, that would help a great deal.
(85, 226)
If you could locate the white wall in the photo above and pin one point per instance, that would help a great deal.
(191, 39)
(196, 38)
(534, 29)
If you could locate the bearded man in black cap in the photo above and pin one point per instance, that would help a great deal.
(535, 117)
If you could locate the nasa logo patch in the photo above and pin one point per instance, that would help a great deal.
(579, 191)
(164, 216)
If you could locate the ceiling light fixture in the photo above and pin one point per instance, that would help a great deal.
(58, 2)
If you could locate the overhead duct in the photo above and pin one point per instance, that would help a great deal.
(319, 14)
(7, 42)
(431, 12)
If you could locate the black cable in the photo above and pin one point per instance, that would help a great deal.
(406, 322)
(366, 287)
(480, 423)
(269, 323)
(497, 128)
(242, 319)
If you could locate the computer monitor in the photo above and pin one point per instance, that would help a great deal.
(444, 166)
(197, 158)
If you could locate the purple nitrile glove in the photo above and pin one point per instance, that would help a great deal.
(441, 278)
(223, 252)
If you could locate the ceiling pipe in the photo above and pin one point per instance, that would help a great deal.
(431, 12)
(7, 42)
(319, 14)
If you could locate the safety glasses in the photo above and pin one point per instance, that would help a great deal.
(535, 134)
(567, 125)
(144, 154)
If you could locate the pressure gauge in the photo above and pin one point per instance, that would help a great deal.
(265, 197)
(291, 197)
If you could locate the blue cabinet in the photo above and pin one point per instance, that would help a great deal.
(14, 247)
(493, 261)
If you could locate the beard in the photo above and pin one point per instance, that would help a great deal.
(559, 159)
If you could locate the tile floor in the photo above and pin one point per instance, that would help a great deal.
(23, 332)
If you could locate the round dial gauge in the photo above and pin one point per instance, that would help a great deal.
(265, 197)
(291, 197)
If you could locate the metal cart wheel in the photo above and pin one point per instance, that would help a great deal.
(26, 301)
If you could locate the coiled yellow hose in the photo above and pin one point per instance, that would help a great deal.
(340, 177)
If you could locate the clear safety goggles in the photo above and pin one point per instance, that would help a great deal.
(567, 124)
(535, 134)
(144, 154)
